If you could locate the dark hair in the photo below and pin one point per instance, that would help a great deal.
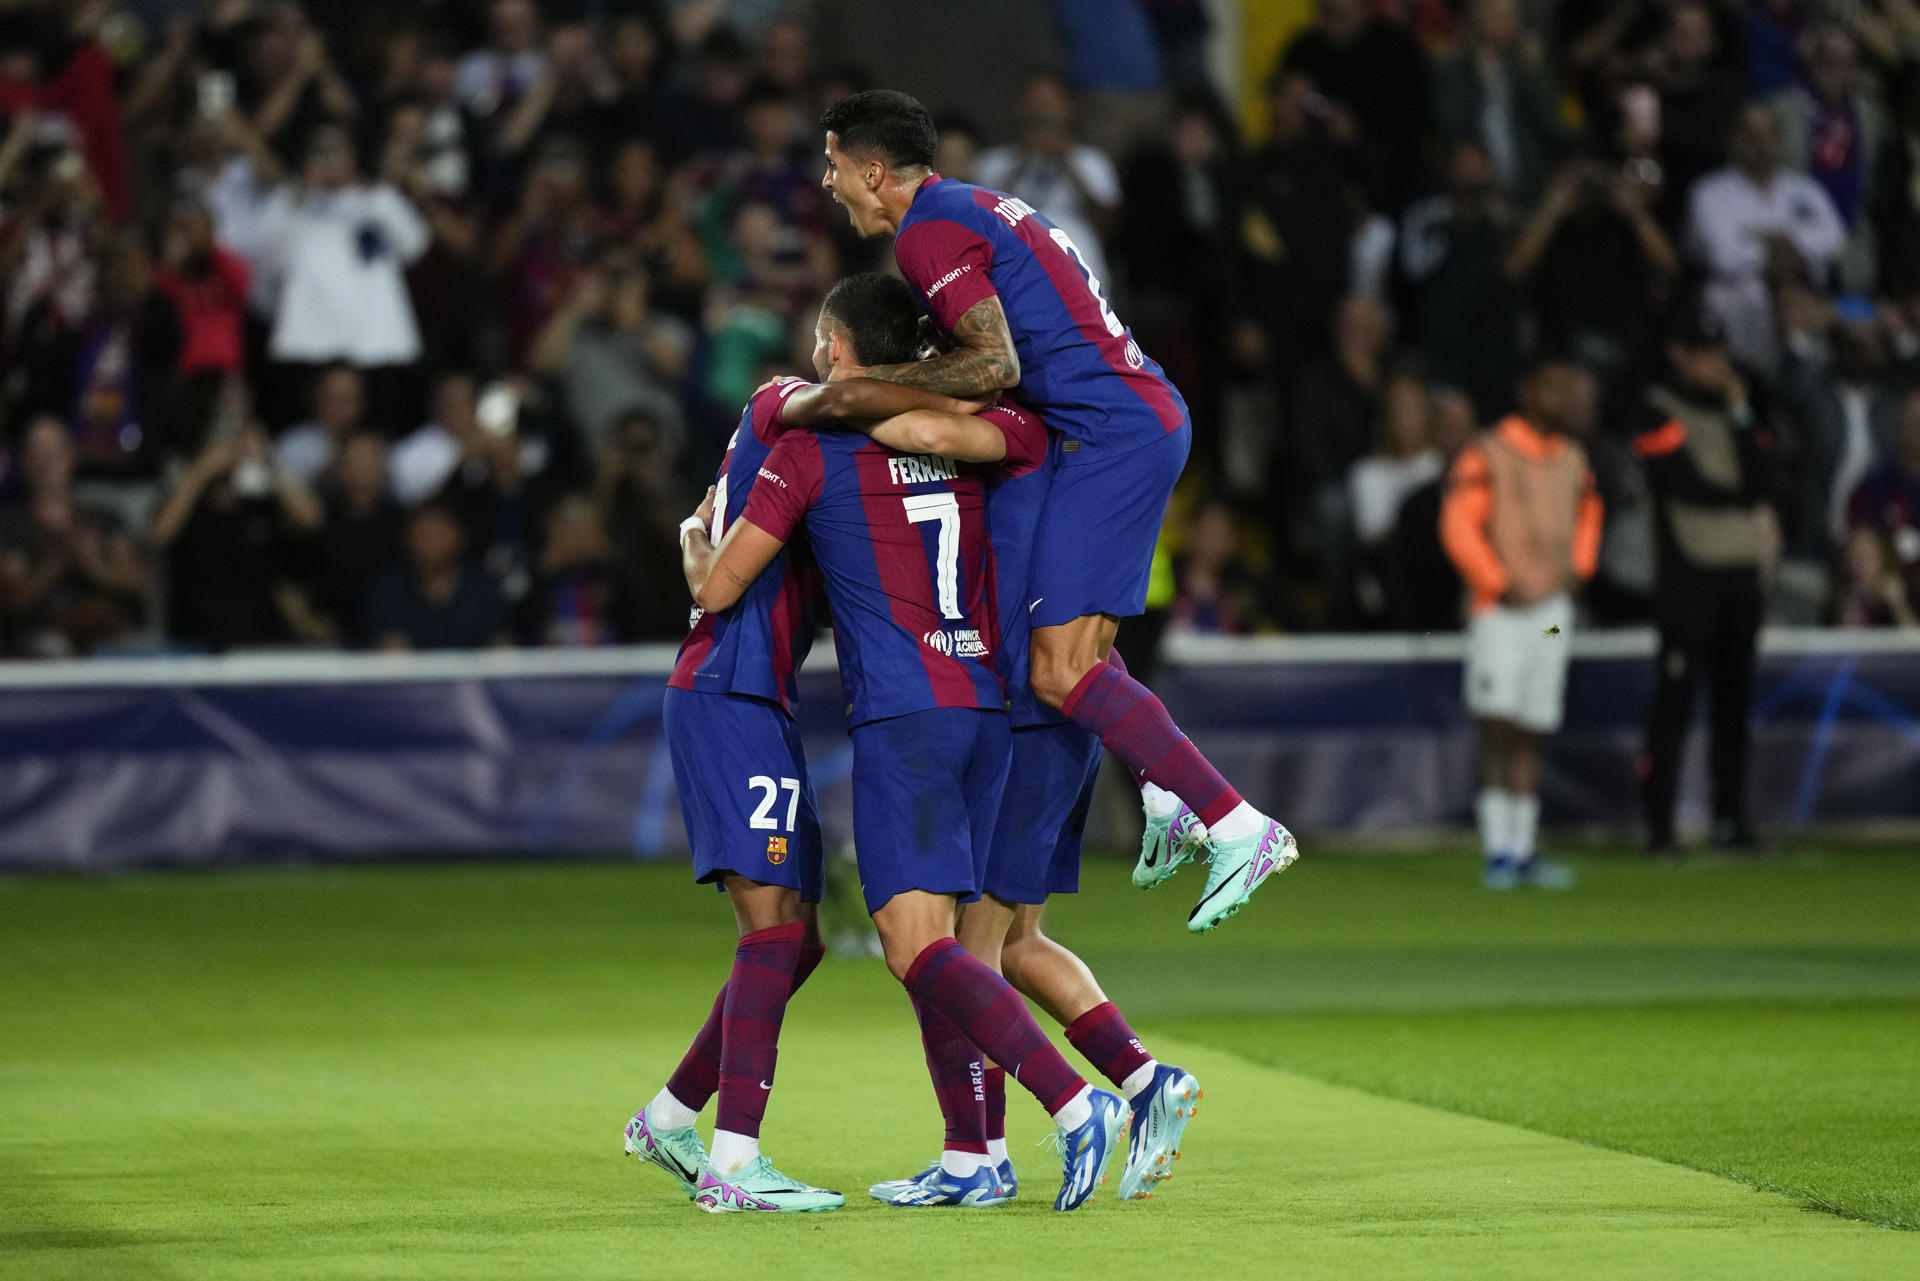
(880, 314)
(884, 123)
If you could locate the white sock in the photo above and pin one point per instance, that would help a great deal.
(669, 1113)
(1524, 818)
(1241, 822)
(1138, 1079)
(1076, 1111)
(962, 1164)
(997, 1151)
(1158, 801)
(1491, 808)
(732, 1151)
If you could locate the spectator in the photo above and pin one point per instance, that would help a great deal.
(540, 249)
(1705, 452)
(1888, 498)
(1598, 261)
(360, 538)
(226, 523)
(1699, 100)
(1522, 523)
(339, 409)
(495, 77)
(288, 85)
(1404, 459)
(1463, 310)
(1496, 90)
(641, 497)
(958, 154)
(1219, 592)
(209, 287)
(339, 247)
(1831, 128)
(611, 351)
(71, 577)
(1841, 396)
(1895, 208)
(578, 583)
(442, 286)
(1371, 69)
(705, 120)
(1751, 226)
(436, 599)
(1176, 234)
(1294, 223)
(122, 361)
(570, 98)
(1076, 184)
(49, 253)
(1873, 592)
(1423, 589)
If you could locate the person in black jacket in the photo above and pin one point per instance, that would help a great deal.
(1705, 449)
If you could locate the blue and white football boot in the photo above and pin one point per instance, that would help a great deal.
(1160, 1116)
(936, 1186)
(1086, 1149)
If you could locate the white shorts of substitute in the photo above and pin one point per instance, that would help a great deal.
(1517, 663)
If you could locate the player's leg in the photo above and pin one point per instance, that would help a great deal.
(727, 753)
(1170, 832)
(1491, 684)
(1161, 1097)
(765, 963)
(1544, 645)
(1036, 854)
(915, 864)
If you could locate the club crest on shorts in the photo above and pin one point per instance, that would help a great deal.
(776, 850)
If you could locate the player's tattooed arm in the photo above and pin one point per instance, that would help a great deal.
(982, 363)
(959, 436)
(855, 402)
(719, 576)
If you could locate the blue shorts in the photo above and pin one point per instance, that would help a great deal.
(1093, 552)
(744, 791)
(926, 790)
(1043, 814)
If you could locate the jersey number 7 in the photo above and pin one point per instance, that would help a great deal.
(944, 508)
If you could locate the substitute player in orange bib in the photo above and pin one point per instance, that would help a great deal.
(1521, 521)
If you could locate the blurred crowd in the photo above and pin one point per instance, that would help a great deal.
(421, 324)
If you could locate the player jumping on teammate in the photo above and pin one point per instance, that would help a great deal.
(1036, 843)
(1024, 313)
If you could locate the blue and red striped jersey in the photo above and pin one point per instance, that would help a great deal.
(901, 541)
(1080, 368)
(1017, 489)
(756, 647)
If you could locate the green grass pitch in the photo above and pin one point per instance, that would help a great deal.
(1698, 1071)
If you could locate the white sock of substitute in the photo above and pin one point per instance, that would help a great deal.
(1241, 822)
(962, 1164)
(1525, 829)
(1491, 808)
(1158, 801)
(1076, 1111)
(669, 1113)
(1138, 1079)
(997, 1150)
(732, 1151)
